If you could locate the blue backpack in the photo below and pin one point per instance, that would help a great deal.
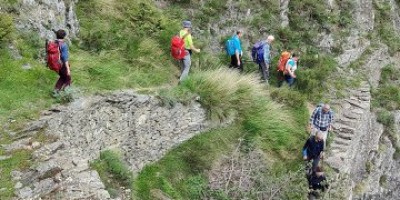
(229, 47)
(257, 52)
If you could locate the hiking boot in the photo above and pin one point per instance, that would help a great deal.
(55, 93)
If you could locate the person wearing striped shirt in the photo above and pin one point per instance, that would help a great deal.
(321, 120)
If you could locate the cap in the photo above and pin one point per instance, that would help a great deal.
(187, 24)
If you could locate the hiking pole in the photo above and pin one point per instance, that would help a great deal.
(200, 61)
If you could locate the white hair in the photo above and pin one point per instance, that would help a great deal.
(270, 38)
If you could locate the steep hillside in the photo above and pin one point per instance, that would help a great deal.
(219, 134)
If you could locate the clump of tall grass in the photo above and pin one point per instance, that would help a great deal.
(224, 92)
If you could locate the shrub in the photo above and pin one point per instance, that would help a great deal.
(6, 27)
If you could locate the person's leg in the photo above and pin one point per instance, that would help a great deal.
(281, 78)
(240, 67)
(324, 137)
(61, 79)
(290, 81)
(263, 69)
(315, 163)
(233, 62)
(267, 71)
(186, 67)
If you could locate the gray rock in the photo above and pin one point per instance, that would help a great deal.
(4, 158)
(18, 185)
(134, 123)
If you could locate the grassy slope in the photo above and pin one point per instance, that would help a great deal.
(121, 46)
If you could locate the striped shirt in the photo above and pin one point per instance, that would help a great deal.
(320, 119)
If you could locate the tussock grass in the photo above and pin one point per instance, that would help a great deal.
(259, 122)
(224, 92)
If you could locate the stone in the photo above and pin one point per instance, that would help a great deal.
(4, 158)
(25, 193)
(18, 185)
(16, 175)
(35, 145)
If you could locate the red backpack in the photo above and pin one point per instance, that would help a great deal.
(53, 49)
(285, 56)
(178, 47)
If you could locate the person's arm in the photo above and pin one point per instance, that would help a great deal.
(267, 54)
(289, 68)
(312, 119)
(191, 45)
(65, 57)
(304, 150)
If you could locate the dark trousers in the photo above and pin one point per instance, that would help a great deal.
(264, 69)
(281, 78)
(289, 79)
(64, 80)
(234, 63)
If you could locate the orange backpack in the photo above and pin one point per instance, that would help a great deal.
(285, 56)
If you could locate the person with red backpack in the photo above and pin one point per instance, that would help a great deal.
(185, 62)
(285, 56)
(57, 60)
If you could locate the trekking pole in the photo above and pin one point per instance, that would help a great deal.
(200, 61)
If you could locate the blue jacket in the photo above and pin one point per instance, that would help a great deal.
(236, 44)
(267, 55)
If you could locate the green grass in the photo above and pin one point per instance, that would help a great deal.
(261, 123)
(19, 160)
(385, 29)
(114, 173)
(386, 98)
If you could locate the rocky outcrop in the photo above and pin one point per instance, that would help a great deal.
(42, 16)
(136, 125)
(284, 9)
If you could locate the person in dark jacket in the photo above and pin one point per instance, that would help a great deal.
(65, 73)
(313, 149)
(317, 180)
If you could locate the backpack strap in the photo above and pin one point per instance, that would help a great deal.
(59, 43)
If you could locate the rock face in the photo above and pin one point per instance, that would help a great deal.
(43, 15)
(137, 125)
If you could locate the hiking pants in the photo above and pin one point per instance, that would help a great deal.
(64, 80)
(264, 69)
(185, 66)
(314, 131)
(289, 79)
(234, 63)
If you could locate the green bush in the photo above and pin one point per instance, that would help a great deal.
(6, 27)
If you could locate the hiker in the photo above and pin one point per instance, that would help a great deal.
(65, 73)
(321, 121)
(317, 180)
(291, 66)
(313, 149)
(236, 52)
(185, 63)
(285, 56)
(264, 65)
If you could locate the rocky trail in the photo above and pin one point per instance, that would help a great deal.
(136, 125)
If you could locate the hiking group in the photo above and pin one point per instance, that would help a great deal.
(320, 124)
(182, 47)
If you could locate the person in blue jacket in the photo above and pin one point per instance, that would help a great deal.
(236, 58)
